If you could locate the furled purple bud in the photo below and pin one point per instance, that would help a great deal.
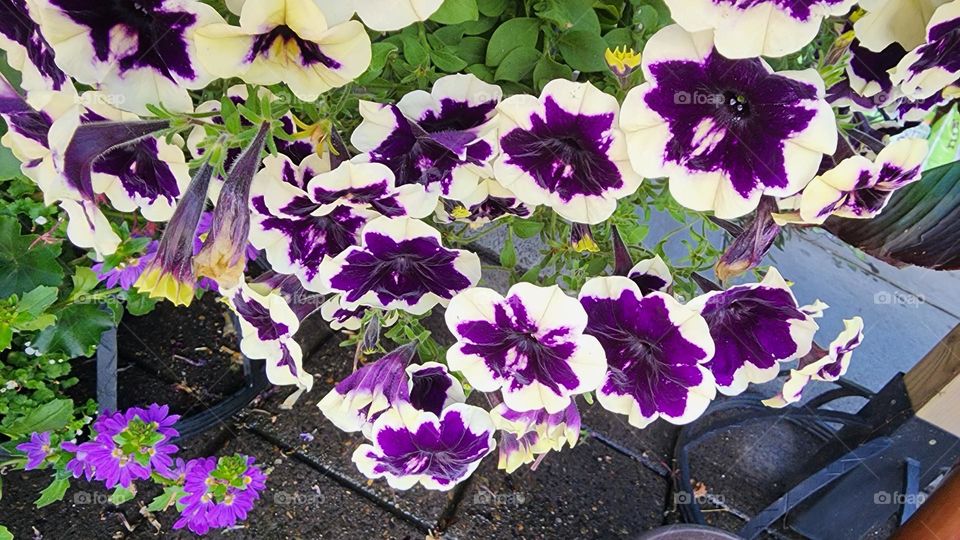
(622, 262)
(170, 274)
(752, 245)
(223, 255)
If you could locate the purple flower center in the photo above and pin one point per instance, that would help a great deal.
(285, 37)
(159, 32)
(565, 153)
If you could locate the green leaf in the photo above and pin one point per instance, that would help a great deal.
(53, 493)
(414, 52)
(381, 52)
(472, 49)
(166, 499)
(121, 495)
(619, 37)
(9, 164)
(5, 534)
(47, 417)
(447, 61)
(492, 8)
(512, 34)
(508, 255)
(456, 12)
(526, 228)
(944, 139)
(547, 70)
(84, 281)
(77, 333)
(38, 300)
(583, 51)
(139, 303)
(518, 65)
(22, 267)
(572, 15)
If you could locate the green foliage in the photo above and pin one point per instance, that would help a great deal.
(26, 262)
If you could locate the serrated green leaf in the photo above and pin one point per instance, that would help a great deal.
(456, 12)
(37, 300)
(84, 281)
(22, 267)
(121, 495)
(166, 499)
(53, 493)
(47, 417)
(512, 34)
(77, 332)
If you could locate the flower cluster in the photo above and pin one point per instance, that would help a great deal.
(137, 445)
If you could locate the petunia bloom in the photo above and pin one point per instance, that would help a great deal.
(894, 21)
(379, 15)
(489, 202)
(223, 257)
(170, 274)
(142, 52)
(413, 447)
(356, 401)
(37, 450)
(400, 264)
(725, 132)
(830, 367)
(651, 275)
(929, 68)
(755, 327)
(267, 327)
(530, 345)
(565, 150)
(441, 140)
(27, 50)
(860, 188)
(868, 84)
(286, 41)
(219, 492)
(751, 28)
(656, 352)
(534, 433)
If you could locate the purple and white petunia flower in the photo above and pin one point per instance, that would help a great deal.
(370, 186)
(37, 450)
(489, 202)
(379, 15)
(859, 188)
(934, 65)
(356, 401)
(400, 264)
(219, 492)
(411, 446)
(752, 28)
(651, 275)
(830, 367)
(894, 21)
(755, 328)
(868, 84)
(431, 388)
(656, 352)
(565, 150)
(516, 450)
(27, 50)
(530, 345)
(340, 317)
(139, 52)
(553, 431)
(286, 41)
(725, 132)
(267, 327)
(289, 225)
(442, 140)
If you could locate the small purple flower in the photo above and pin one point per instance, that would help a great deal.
(725, 132)
(830, 367)
(752, 28)
(356, 401)
(529, 345)
(489, 202)
(413, 447)
(400, 264)
(756, 327)
(565, 150)
(934, 65)
(127, 272)
(37, 450)
(441, 140)
(143, 51)
(656, 351)
(219, 492)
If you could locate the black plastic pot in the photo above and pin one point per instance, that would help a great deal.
(687, 532)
